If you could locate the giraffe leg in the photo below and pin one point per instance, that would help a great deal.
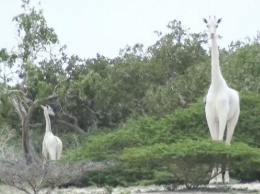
(213, 174)
(222, 124)
(219, 176)
(222, 115)
(226, 176)
(213, 127)
(231, 124)
(230, 131)
(222, 108)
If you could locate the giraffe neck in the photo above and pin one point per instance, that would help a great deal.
(216, 76)
(48, 122)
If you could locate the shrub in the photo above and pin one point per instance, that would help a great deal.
(248, 128)
(191, 162)
(147, 149)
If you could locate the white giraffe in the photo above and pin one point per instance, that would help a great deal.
(222, 102)
(51, 145)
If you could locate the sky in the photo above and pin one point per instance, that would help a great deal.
(89, 27)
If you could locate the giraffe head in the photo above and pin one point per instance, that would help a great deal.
(212, 25)
(48, 109)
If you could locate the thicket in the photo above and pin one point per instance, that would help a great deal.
(142, 111)
(174, 149)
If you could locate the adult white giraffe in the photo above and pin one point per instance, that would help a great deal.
(51, 145)
(222, 102)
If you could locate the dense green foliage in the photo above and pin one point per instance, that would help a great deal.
(147, 130)
(141, 111)
(149, 147)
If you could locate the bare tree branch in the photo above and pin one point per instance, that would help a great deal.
(21, 176)
(74, 119)
(71, 126)
(17, 109)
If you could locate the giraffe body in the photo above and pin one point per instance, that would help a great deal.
(222, 102)
(51, 145)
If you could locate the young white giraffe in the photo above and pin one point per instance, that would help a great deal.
(222, 103)
(51, 145)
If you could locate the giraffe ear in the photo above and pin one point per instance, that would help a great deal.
(219, 20)
(205, 20)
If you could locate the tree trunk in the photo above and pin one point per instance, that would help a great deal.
(25, 140)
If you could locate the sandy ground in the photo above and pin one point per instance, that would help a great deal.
(236, 188)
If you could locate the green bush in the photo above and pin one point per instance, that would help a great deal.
(191, 162)
(146, 131)
(248, 128)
